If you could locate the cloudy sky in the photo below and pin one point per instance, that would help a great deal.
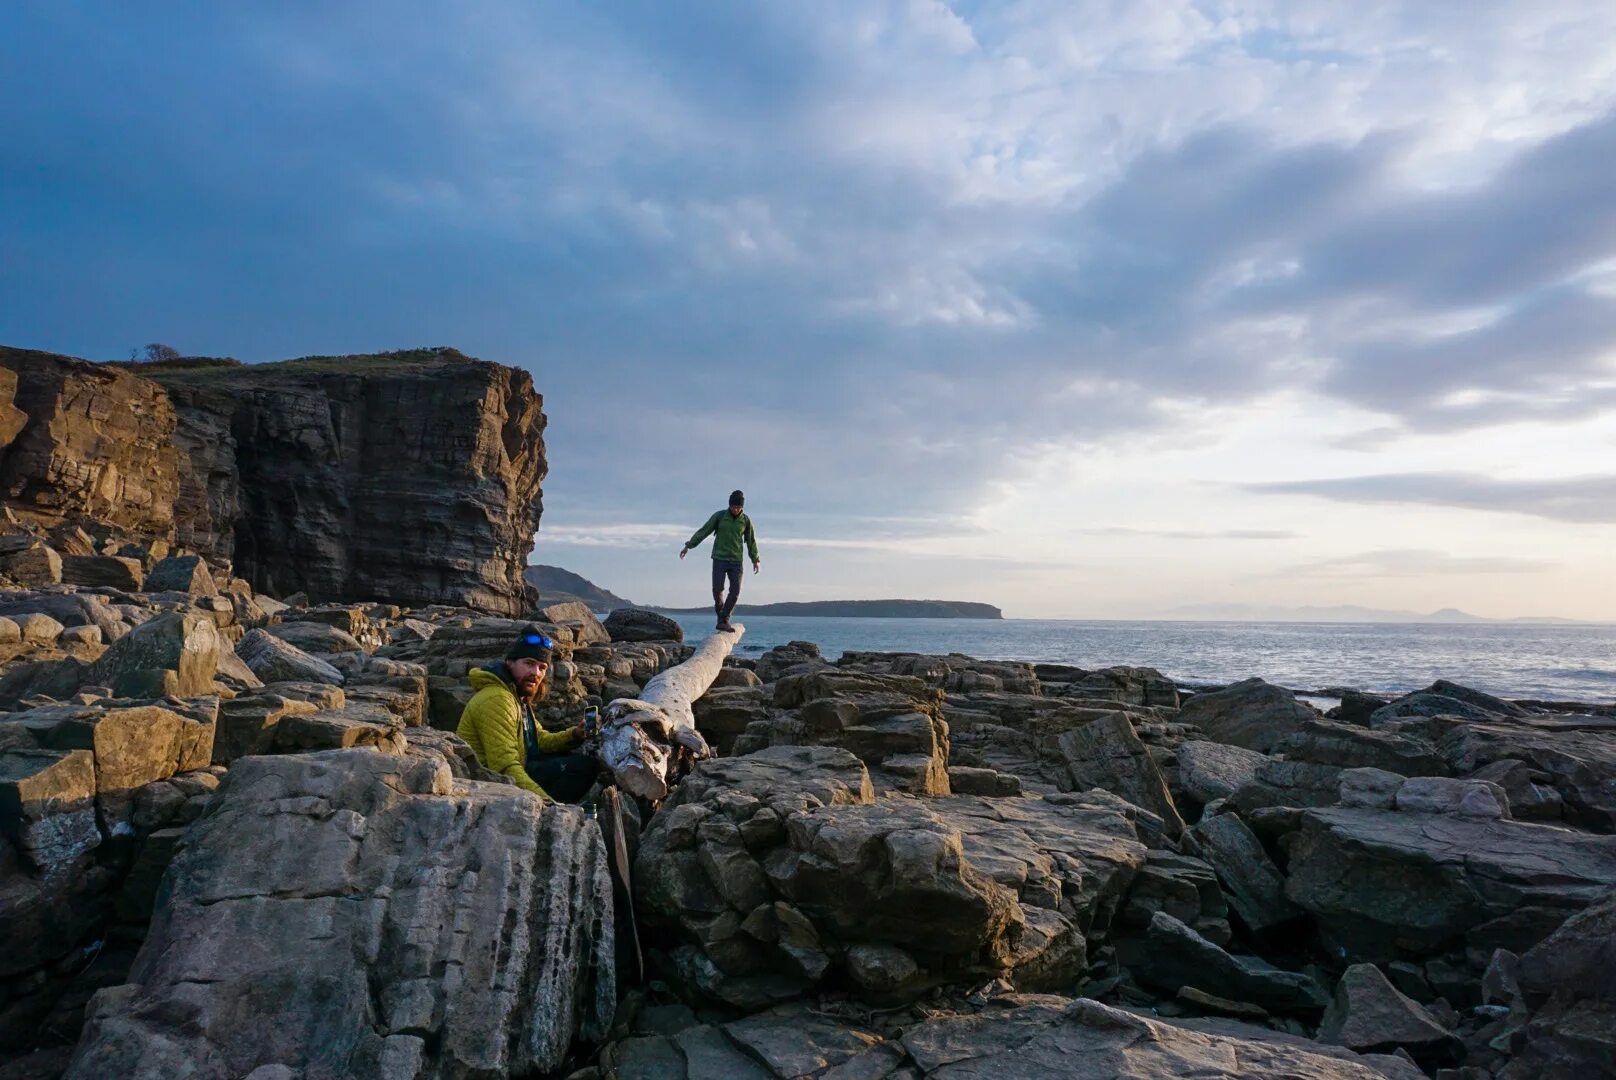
(1088, 309)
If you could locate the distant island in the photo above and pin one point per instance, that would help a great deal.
(558, 586)
(1339, 613)
(867, 609)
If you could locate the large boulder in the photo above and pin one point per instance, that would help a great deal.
(273, 659)
(773, 866)
(353, 913)
(1368, 1014)
(1208, 771)
(315, 637)
(1251, 714)
(586, 629)
(1579, 958)
(29, 562)
(1385, 884)
(109, 571)
(172, 654)
(1444, 698)
(638, 624)
(890, 723)
(1255, 887)
(182, 573)
(1108, 754)
(1171, 955)
(1578, 764)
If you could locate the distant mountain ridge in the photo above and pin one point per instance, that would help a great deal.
(1339, 613)
(556, 586)
(867, 609)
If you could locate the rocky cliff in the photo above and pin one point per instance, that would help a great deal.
(413, 476)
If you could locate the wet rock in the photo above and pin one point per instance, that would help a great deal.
(638, 624)
(1369, 1015)
(1251, 714)
(320, 904)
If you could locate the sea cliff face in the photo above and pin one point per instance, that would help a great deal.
(413, 476)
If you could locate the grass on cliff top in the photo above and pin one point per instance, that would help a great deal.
(203, 366)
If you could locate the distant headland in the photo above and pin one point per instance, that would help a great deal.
(867, 609)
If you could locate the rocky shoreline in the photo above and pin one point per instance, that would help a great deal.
(239, 839)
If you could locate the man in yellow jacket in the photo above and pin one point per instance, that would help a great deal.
(499, 724)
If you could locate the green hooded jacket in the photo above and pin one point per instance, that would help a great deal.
(496, 727)
(730, 530)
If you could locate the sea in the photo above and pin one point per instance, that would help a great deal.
(1544, 662)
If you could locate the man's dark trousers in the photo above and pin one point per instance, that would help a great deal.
(723, 569)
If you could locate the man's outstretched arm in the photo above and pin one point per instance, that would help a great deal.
(702, 533)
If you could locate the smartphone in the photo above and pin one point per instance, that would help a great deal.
(591, 719)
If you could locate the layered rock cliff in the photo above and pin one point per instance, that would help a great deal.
(413, 476)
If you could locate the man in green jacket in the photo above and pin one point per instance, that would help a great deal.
(729, 528)
(499, 724)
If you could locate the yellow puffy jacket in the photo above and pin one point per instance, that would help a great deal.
(493, 725)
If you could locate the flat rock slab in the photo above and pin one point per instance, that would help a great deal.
(353, 913)
(1383, 881)
(1040, 1037)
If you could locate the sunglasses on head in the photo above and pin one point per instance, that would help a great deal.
(539, 639)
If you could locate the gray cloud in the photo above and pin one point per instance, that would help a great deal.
(862, 261)
(1412, 562)
(1584, 500)
(1194, 534)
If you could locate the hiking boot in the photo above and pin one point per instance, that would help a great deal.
(726, 627)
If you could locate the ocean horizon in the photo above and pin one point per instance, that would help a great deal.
(1558, 661)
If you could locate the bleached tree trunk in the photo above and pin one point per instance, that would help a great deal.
(639, 735)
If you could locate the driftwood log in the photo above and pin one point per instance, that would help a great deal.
(641, 737)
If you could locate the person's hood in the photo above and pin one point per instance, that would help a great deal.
(492, 675)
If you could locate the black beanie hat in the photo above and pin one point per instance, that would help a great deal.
(532, 642)
(737, 497)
